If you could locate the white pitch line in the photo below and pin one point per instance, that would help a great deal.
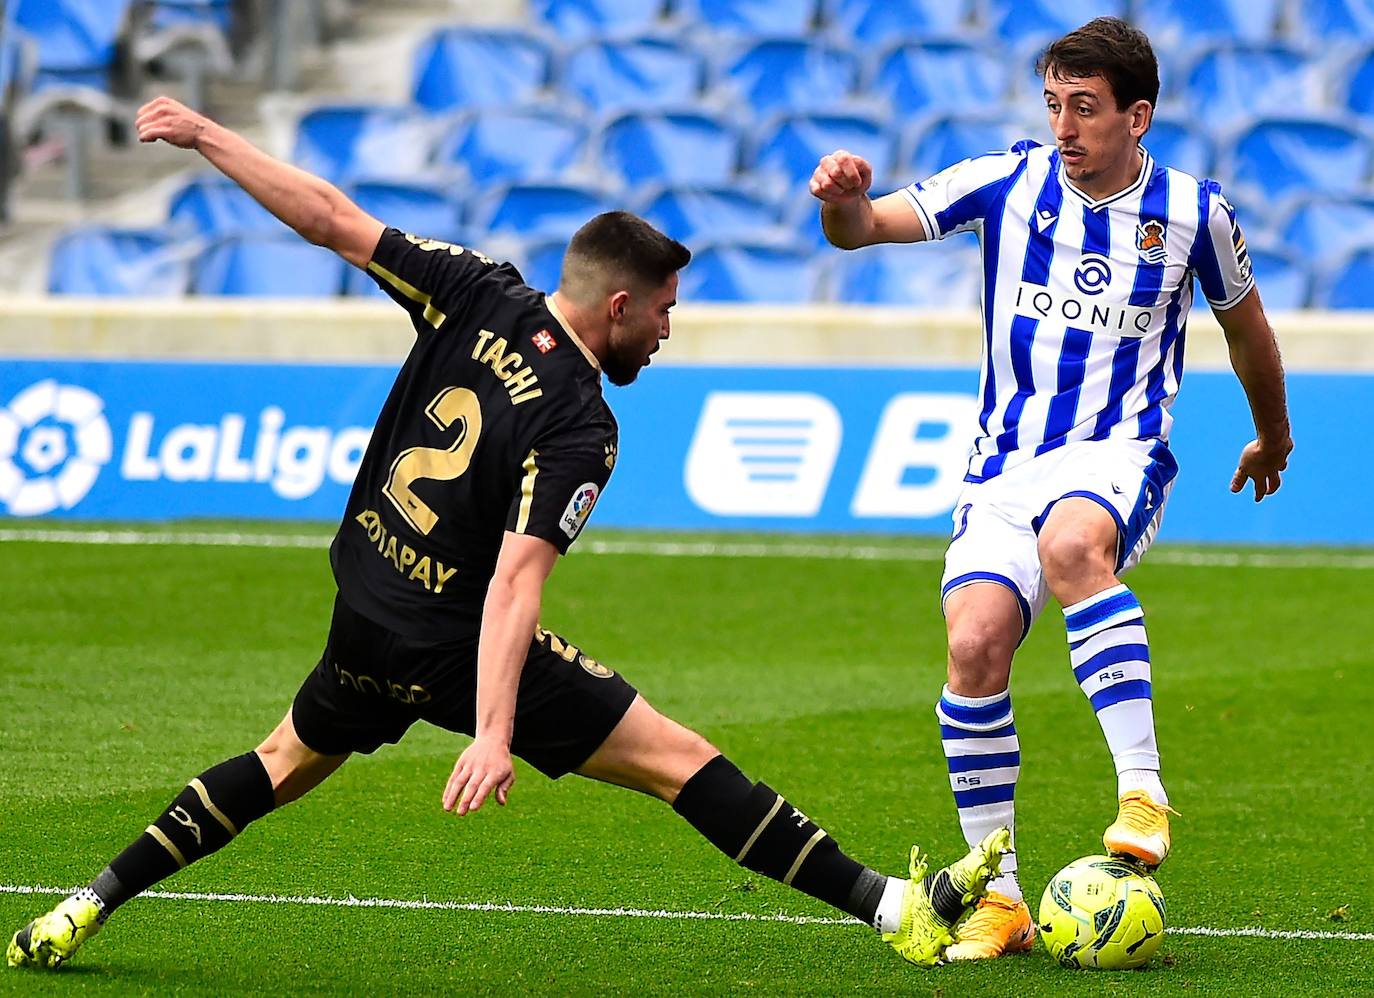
(686, 549)
(695, 916)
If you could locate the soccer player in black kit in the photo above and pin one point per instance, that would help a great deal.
(486, 460)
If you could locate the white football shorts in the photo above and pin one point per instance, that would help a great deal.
(997, 522)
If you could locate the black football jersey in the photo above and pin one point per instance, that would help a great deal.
(496, 422)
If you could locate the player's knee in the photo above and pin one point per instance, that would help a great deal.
(1071, 553)
(980, 653)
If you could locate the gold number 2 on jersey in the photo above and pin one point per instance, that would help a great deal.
(452, 406)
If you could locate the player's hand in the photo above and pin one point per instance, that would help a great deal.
(484, 768)
(841, 177)
(171, 121)
(1261, 463)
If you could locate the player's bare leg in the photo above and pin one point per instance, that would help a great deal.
(1110, 654)
(755, 826)
(984, 623)
(213, 808)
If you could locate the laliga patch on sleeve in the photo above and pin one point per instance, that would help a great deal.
(579, 508)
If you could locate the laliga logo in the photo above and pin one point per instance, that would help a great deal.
(53, 442)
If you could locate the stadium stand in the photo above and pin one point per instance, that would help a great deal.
(640, 73)
(694, 215)
(791, 75)
(212, 206)
(947, 275)
(750, 272)
(538, 212)
(869, 23)
(498, 146)
(641, 149)
(120, 262)
(1349, 285)
(356, 142)
(709, 116)
(272, 266)
(579, 20)
(471, 67)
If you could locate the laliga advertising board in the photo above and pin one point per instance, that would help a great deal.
(795, 449)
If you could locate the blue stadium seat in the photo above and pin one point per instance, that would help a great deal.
(359, 284)
(1181, 24)
(1178, 144)
(578, 20)
(750, 17)
(420, 209)
(1358, 92)
(1323, 230)
(1232, 83)
(670, 149)
(791, 74)
(1281, 157)
(270, 267)
(499, 146)
(76, 39)
(1284, 281)
(1349, 285)
(364, 141)
(537, 211)
(920, 78)
(789, 151)
(638, 74)
(175, 13)
(474, 67)
(211, 205)
(880, 22)
(746, 272)
(1020, 21)
(693, 215)
(119, 262)
(946, 274)
(1333, 21)
(946, 141)
(541, 263)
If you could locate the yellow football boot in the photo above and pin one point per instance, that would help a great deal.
(924, 932)
(49, 940)
(1141, 829)
(997, 926)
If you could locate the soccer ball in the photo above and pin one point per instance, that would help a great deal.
(1102, 912)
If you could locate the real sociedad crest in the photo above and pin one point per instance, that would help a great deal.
(1149, 240)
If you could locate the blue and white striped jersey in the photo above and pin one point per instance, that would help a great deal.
(1084, 302)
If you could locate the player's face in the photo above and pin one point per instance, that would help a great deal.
(637, 332)
(1096, 141)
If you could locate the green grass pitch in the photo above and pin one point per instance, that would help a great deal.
(125, 670)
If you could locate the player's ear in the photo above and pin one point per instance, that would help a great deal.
(619, 304)
(1142, 114)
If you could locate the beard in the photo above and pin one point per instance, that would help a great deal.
(620, 368)
(624, 358)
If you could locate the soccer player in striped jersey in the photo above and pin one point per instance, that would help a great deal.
(1090, 250)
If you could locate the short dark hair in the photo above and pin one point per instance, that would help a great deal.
(1112, 49)
(625, 247)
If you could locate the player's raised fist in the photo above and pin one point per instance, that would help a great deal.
(171, 121)
(841, 177)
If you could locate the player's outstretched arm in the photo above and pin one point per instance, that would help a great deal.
(1255, 358)
(509, 618)
(849, 216)
(315, 208)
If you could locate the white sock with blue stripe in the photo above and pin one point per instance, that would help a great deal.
(984, 758)
(1110, 654)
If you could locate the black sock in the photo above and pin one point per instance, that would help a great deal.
(756, 827)
(213, 808)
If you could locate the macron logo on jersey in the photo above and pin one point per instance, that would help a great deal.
(543, 341)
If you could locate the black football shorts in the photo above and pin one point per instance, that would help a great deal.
(372, 684)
